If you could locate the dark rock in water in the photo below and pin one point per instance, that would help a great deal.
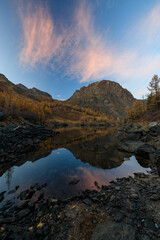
(145, 150)
(12, 191)
(113, 231)
(27, 194)
(130, 145)
(2, 196)
(74, 182)
(133, 136)
(22, 205)
(96, 185)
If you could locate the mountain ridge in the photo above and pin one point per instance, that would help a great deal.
(6, 85)
(104, 97)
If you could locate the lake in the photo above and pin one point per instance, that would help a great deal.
(74, 160)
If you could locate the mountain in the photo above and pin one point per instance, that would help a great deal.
(104, 96)
(18, 102)
(33, 91)
(7, 86)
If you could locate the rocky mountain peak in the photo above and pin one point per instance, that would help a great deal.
(105, 96)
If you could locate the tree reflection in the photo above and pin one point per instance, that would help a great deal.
(8, 176)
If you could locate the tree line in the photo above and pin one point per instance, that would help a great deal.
(41, 109)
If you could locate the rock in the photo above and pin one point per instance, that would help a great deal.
(152, 125)
(118, 217)
(145, 150)
(27, 194)
(23, 213)
(96, 184)
(130, 145)
(113, 231)
(2, 196)
(133, 136)
(87, 201)
(23, 205)
(12, 191)
(74, 182)
(155, 197)
(158, 130)
(112, 198)
(7, 220)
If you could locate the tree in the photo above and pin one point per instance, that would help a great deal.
(154, 85)
(154, 88)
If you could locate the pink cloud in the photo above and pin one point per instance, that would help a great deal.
(40, 40)
(81, 50)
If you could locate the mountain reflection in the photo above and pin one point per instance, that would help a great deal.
(96, 146)
(84, 155)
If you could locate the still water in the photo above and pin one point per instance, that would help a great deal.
(84, 155)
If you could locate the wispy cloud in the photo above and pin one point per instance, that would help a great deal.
(82, 51)
(150, 26)
(40, 40)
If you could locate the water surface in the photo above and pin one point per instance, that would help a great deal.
(87, 155)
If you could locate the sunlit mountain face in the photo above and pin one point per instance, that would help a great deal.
(60, 46)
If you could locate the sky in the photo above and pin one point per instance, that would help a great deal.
(58, 46)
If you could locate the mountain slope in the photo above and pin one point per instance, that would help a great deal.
(17, 101)
(19, 89)
(104, 96)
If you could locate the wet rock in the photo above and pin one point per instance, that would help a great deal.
(111, 230)
(23, 213)
(12, 191)
(27, 194)
(158, 130)
(96, 185)
(155, 197)
(133, 136)
(2, 196)
(152, 125)
(145, 150)
(87, 201)
(23, 205)
(130, 145)
(7, 220)
(74, 182)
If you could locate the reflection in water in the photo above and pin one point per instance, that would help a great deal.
(87, 155)
(8, 176)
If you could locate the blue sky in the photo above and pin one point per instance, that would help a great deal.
(60, 46)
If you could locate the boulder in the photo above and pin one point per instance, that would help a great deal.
(130, 145)
(158, 130)
(152, 125)
(145, 150)
(112, 230)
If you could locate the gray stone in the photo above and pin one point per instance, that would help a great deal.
(23, 213)
(113, 231)
(130, 145)
(145, 150)
(152, 124)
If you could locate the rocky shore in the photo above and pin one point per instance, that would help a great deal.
(143, 141)
(15, 141)
(128, 208)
